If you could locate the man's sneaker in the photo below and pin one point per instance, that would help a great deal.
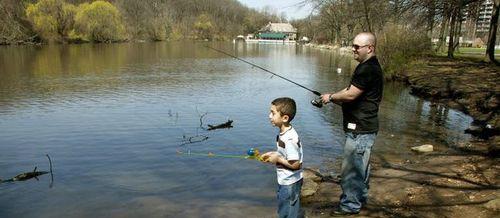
(340, 212)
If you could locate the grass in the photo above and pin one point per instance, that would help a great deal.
(477, 53)
(475, 50)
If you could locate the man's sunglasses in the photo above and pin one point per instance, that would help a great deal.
(357, 47)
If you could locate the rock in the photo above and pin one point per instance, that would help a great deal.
(309, 188)
(310, 185)
(423, 148)
(312, 174)
(493, 204)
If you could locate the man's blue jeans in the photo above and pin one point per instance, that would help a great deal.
(355, 171)
(289, 200)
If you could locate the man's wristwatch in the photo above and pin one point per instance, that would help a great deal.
(330, 98)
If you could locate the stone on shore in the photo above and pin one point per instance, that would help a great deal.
(493, 204)
(311, 184)
(423, 148)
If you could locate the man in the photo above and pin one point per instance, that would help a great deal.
(360, 103)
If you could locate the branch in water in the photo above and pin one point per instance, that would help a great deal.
(194, 139)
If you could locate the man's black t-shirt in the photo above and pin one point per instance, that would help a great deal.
(360, 115)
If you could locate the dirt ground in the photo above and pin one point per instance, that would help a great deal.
(458, 182)
(437, 184)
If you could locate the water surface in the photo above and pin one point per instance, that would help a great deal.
(113, 116)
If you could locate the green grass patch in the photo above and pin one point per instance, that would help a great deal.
(475, 50)
(469, 52)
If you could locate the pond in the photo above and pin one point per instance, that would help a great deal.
(114, 117)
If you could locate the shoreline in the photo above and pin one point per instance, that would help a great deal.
(466, 84)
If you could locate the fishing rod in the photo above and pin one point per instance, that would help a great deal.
(251, 154)
(315, 102)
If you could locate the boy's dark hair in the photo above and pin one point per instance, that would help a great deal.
(286, 106)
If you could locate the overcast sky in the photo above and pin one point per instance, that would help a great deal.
(288, 6)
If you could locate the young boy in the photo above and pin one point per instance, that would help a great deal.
(288, 157)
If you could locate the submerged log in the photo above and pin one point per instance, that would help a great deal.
(221, 126)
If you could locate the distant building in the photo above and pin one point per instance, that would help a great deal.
(484, 19)
(477, 23)
(278, 31)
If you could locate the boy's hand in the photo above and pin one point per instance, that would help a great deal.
(265, 156)
(271, 157)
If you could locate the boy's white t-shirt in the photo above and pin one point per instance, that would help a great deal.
(289, 147)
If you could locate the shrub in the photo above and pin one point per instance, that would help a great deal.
(398, 45)
(204, 27)
(99, 21)
(159, 29)
(51, 19)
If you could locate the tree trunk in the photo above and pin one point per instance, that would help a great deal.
(490, 49)
(367, 16)
(431, 17)
(458, 33)
(332, 35)
(444, 25)
(337, 36)
(451, 48)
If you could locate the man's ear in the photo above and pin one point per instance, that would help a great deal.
(372, 48)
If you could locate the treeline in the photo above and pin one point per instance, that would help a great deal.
(63, 21)
(404, 27)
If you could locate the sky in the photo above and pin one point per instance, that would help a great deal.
(288, 6)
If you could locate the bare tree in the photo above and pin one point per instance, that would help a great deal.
(14, 26)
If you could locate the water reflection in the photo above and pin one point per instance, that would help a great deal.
(113, 115)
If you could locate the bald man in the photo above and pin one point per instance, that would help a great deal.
(360, 104)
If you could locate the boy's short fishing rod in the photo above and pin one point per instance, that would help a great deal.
(252, 153)
(316, 102)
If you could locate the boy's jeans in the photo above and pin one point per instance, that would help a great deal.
(355, 171)
(289, 200)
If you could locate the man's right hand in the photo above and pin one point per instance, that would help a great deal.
(325, 98)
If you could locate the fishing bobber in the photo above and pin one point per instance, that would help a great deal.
(339, 70)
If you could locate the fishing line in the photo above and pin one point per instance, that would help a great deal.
(266, 70)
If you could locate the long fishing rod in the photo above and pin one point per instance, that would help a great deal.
(315, 102)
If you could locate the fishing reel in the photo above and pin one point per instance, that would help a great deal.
(317, 102)
(253, 152)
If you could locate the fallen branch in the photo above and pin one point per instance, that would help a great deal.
(194, 139)
(221, 126)
(31, 175)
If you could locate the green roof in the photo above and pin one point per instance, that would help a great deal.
(272, 35)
